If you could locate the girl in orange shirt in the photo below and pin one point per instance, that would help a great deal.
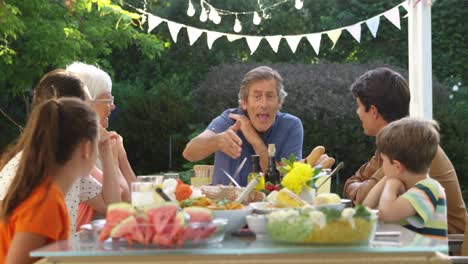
(60, 145)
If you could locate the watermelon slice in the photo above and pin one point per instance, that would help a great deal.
(129, 230)
(145, 227)
(115, 213)
(163, 241)
(199, 214)
(199, 232)
(179, 227)
(162, 216)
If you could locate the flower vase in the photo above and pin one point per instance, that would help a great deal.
(307, 194)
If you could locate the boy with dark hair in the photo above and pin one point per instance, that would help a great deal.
(407, 148)
(383, 96)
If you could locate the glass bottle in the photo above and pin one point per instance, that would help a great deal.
(272, 174)
(257, 173)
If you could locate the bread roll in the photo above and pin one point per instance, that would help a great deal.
(321, 160)
(327, 163)
(315, 155)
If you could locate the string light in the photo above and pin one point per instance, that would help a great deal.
(299, 4)
(190, 9)
(203, 15)
(256, 19)
(143, 18)
(237, 25)
(214, 14)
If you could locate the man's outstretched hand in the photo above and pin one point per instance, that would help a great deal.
(229, 142)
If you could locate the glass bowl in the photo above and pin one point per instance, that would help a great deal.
(176, 234)
(235, 218)
(310, 227)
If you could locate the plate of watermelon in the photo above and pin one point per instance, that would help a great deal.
(165, 225)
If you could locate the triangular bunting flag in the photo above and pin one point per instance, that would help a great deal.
(232, 37)
(355, 31)
(253, 42)
(334, 35)
(394, 16)
(373, 25)
(211, 36)
(405, 5)
(174, 29)
(274, 42)
(314, 40)
(193, 34)
(153, 21)
(293, 41)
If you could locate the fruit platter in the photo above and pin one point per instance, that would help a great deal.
(310, 225)
(164, 225)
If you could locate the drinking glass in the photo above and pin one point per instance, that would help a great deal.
(326, 187)
(155, 179)
(144, 194)
(171, 175)
(202, 175)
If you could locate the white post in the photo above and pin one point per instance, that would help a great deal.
(420, 58)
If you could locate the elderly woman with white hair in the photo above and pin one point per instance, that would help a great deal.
(100, 88)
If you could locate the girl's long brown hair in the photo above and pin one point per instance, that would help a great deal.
(53, 132)
(55, 84)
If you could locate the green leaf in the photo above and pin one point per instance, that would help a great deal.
(362, 211)
(331, 214)
(283, 170)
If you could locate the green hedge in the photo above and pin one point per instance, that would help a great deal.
(154, 121)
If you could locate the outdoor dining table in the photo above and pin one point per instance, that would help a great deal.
(408, 247)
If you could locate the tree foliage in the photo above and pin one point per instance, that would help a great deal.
(39, 35)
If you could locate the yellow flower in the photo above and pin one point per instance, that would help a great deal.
(298, 177)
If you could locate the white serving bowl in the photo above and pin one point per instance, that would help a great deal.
(263, 207)
(337, 206)
(257, 223)
(236, 218)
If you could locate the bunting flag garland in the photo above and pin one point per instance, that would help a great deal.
(373, 25)
(293, 41)
(334, 35)
(193, 34)
(174, 29)
(314, 40)
(211, 36)
(232, 37)
(153, 21)
(274, 42)
(355, 31)
(253, 42)
(392, 15)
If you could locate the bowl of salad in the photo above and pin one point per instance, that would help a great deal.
(311, 225)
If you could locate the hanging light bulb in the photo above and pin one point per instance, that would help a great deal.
(217, 19)
(213, 14)
(203, 15)
(190, 9)
(256, 19)
(237, 25)
(299, 4)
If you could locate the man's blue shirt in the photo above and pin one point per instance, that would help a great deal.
(286, 133)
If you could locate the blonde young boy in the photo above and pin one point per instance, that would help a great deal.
(407, 194)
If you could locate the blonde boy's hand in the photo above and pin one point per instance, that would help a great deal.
(392, 207)
(395, 184)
